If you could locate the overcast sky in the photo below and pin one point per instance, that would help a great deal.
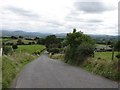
(60, 16)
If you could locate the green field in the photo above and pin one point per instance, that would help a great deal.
(15, 41)
(30, 48)
(105, 55)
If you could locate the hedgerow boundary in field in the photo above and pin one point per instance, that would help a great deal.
(13, 63)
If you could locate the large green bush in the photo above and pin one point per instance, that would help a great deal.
(80, 47)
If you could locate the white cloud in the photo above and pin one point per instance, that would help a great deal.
(58, 16)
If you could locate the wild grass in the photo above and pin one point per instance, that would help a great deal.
(57, 56)
(0, 72)
(108, 69)
(13, 63)
(100, 64)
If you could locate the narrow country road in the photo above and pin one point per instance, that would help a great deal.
(48, 73)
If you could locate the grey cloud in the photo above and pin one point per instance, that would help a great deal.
(20, 11)
(95, 21)
(55, 23)
(78, 19)
(92, 7)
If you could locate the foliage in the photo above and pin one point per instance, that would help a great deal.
(53, 50)
(31, 43)
(20, 36)
(14, 46)
(13, 37)
(106, 68)
(57, 56)
(20, 42)
(13, 63)
(80, 46)
(40, 40)
(117, 46)
(7, 50)
(53, 44)
(118, 56)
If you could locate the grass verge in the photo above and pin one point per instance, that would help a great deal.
(101, 64)
(13, 63)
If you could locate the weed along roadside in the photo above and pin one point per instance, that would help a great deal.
(14, 61)
(80, 53)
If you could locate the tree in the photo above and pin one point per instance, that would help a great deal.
(19, 42)
(13, 37)
(51, 40)
(79, 45)
(20, 36)
(41, 41)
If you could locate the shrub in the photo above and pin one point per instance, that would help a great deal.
(80, 47)
(118, 56)
(19, 42)
(7, 50)
(53, 50)
(14, 46)
(8, 43)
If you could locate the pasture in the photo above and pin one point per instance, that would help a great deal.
(30, 48)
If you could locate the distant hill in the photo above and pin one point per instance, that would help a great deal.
(37, 34)
(23, 33)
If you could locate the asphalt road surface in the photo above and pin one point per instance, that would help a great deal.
(48, 73)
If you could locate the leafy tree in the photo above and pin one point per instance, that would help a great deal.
(19, 42)
(41, 41)
(20, 36)
(80, 46)
(36, 38)
(13, 37)
(50, 40)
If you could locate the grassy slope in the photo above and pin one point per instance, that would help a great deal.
(13, 63)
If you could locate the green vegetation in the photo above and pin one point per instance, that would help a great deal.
(57, 56)
(0, 72)
(30, 48)
(14, 62)
(106, 68)
(14, 41)
(100, 64)
(105, 55)
(80, 51)
(79, 48)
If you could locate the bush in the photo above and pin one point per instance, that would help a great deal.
(14, 46)
(7, 50)
(19, 42)
(118, 56)
(53, 50)
(8, 43)
(80, 47)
